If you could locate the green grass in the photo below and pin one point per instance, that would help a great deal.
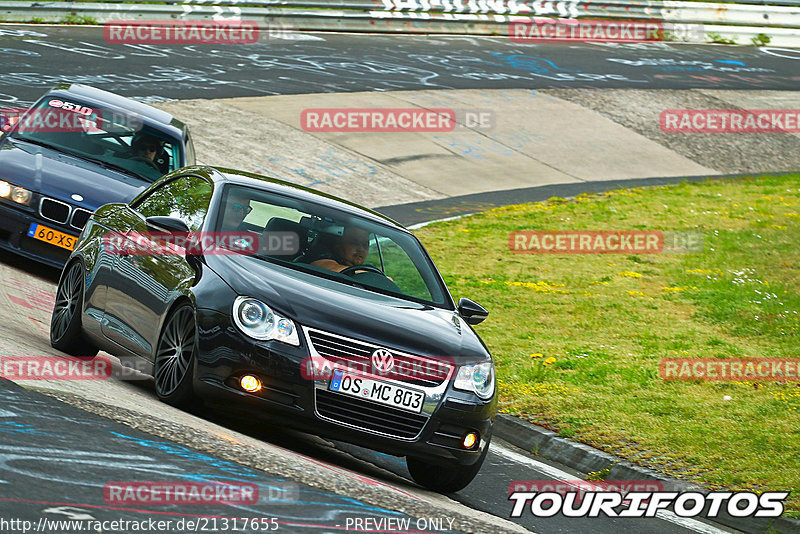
(79, 20)
(578, 338)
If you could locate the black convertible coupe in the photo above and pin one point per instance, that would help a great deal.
(74, 150)
(337, 323)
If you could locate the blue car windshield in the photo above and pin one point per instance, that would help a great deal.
(108, 137)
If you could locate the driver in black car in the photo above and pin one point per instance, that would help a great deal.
(350, 250)
(236, 209)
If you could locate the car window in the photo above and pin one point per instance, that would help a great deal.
(96, 133)
(185, 198)
(399, 265)
(401, 268)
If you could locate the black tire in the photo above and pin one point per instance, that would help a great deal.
(444, 478)
(175, 361)
(65, 323)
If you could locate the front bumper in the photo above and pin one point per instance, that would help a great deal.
(305, 404)
(14, 235)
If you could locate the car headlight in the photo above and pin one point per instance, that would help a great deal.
(478, 378)
(20, 195)
(255, 319)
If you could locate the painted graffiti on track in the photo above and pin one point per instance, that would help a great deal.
(347, 63)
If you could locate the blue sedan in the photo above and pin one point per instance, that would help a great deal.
(74, 150)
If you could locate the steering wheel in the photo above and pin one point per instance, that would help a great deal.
(147, 161)
(350, 271)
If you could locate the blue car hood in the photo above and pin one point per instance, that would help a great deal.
(60, 175)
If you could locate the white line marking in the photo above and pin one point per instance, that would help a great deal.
(557, 474)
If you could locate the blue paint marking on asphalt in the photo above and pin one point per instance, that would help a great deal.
(535, 64)
(10, 426)
(184, 452)
(731, 62)
(343, 501)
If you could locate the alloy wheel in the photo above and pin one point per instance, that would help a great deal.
(175, 351)
(67, 301)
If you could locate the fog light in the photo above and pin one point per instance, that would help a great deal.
(250, 383)
(5, 189)
(470, 440)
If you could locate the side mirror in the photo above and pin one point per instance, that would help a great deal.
(472, 312)
(168, 224)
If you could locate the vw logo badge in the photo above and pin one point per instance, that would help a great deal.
(382, 360)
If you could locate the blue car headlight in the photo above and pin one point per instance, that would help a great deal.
(478, 378)
(20, 195)
(256, 320)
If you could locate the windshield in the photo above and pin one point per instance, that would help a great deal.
(98, 134)
(332, 244)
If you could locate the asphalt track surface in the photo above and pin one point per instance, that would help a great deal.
(33, 62)
(65, 479)
(34, 58)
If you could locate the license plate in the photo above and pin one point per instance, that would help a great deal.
(376, 391)
(54, 237)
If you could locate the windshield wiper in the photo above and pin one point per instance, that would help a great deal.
(34, 142)
(108, 165)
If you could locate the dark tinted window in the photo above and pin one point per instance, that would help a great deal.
(93, 132)
(186, 198)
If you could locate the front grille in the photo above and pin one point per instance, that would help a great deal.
(414, 370)
(368, 415)
(79, 218)
(54, 210)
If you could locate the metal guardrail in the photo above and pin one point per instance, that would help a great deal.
(740, 21)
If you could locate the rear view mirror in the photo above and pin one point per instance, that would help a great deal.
(472, 312)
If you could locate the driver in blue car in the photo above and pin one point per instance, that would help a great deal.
(145, 147)
(349, 250)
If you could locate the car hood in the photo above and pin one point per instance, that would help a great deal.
(324, 304)
(60, 175)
